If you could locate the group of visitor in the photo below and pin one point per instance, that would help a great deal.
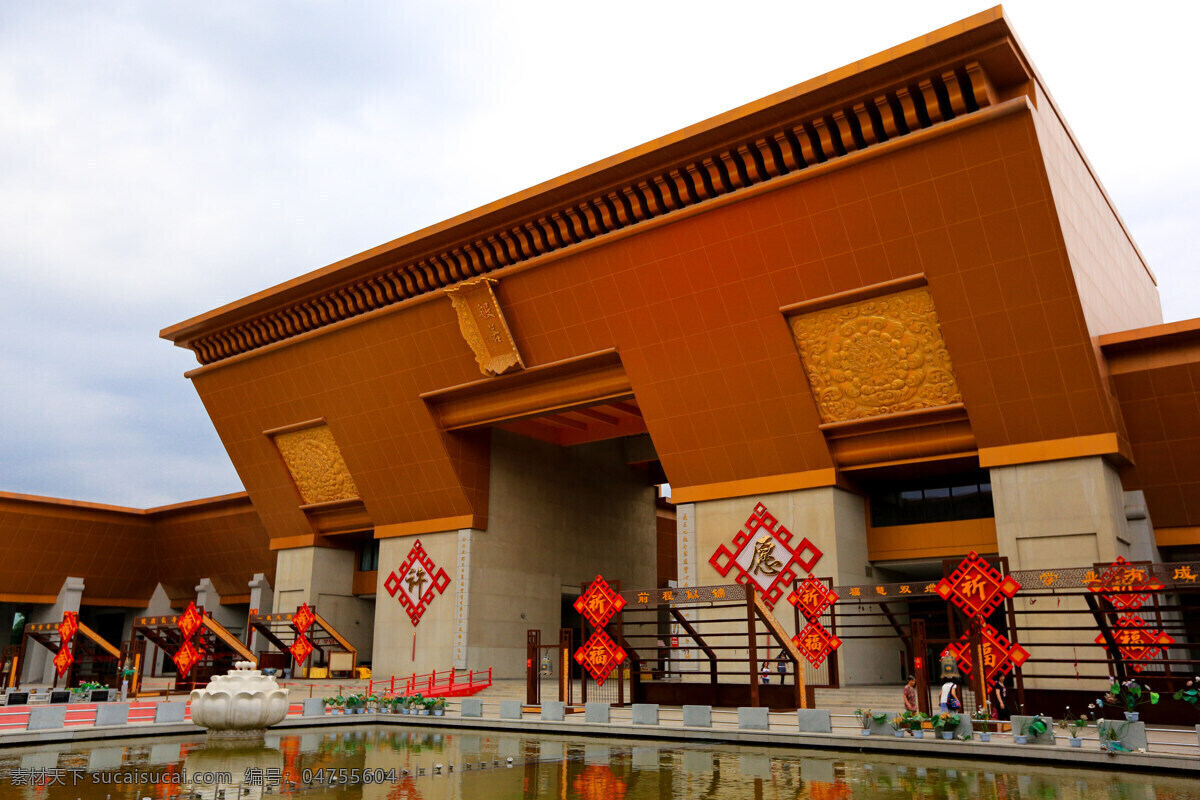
(950, 699)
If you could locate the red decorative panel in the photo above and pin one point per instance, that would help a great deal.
(1135, 642)
(812, 597)
(190, 621)
(999, 654)
(599, 782)
(815, 643)
(977, 587)
(63, 659)
(417, 582)
(68, 627)
(301, 648)
(1121, 575)
(303, 619)
(600, 655)
(765, 556)
(185, 659)
(599, 603)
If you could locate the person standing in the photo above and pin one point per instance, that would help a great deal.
(999, 699)
(766, 673)
(947, 693)
(910, 695)
(781, 663)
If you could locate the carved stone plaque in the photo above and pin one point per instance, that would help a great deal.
(316, 465)
(482, 324)
(882, 355)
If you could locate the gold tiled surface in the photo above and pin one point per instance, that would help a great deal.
(1115, 287)
(124, 553)
(693, 309)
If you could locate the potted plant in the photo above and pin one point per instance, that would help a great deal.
(866, 719)
(1074, 726)
(439, 707)
(427, 705)
(981, 720)
(1190, 694)
(899, 725)
(1130, 694)
(415, 703)
(946, 723)
(916, 723)
(1034, 726)
(1111, 736)
(354, 704)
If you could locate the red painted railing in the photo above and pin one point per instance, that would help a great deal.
(433, 684)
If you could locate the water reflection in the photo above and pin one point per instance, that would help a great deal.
(391, 764)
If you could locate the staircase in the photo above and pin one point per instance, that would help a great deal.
(880, 698)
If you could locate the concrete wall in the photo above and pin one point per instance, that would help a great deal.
(558, 516)
(1055, 514)
(39, 662)
(323, 577)
(834, 520)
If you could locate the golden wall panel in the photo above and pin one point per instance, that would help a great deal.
(483, 326)
(316, 465)
(881, 355)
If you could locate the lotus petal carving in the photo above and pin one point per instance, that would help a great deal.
(241, 701)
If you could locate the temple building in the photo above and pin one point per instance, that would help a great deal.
(892, 306)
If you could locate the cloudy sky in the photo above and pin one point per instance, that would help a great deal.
(158, 159)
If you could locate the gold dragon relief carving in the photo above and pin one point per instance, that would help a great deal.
(483, 326)
(316, 465)
(877, 356)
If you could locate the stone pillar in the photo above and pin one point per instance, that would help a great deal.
(1053, 515)
(323, 577)
(834, 520)
(402, 648)
(261, 596)
(39, 662)
(208, 599)
(159, 605)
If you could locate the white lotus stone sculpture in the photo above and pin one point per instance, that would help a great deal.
(242, 702)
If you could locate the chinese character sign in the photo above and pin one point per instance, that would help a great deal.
(1000, 656)
(599, 603)
(600, 655)
(765, 555)
(977, 587)
(417, 582)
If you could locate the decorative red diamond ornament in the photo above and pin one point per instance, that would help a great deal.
(417, 582)
(999, 654)
(301, 648)
(1135, 642)
(977, 587)
(303, 619)
(190, 621)
(599, 603)
(765, 556)
(185, 659)
(815, 643)
(68, 627)
(63, 659)
(1121, 575)
(600, 655)
(812, 597)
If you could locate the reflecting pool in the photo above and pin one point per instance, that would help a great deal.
(390, 763)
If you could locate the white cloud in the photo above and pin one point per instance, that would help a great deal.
(158, 160)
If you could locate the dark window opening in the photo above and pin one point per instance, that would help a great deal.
(941, 500)
(368, 556)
